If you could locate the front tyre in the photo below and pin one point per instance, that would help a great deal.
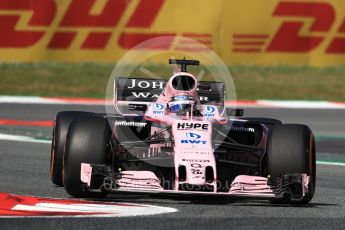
(291, 149)
(87, 142)
(62, 122)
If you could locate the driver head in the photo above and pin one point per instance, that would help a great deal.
(180, 103)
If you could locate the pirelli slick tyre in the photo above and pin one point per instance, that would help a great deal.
(87, 142)
(291, 149)
(61, 125)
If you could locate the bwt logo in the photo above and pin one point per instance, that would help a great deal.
(198, 142)
(209, 111)
(98, 18)
(288, 37)
(194, 138)
(158, 108)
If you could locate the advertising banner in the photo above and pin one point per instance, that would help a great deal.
(267, 32)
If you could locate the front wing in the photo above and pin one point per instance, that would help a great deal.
(292, 187)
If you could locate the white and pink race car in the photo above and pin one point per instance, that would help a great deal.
(183, 141)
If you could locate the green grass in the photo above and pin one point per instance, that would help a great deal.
(54, 79)
(252, 82)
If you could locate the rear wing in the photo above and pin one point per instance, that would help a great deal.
(144, 91)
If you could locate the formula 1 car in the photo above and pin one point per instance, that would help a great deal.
(177, 137)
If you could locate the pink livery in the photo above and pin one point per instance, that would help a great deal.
(177, 137)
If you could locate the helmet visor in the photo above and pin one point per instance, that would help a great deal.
(179, 107)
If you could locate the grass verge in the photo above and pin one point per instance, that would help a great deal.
(252, 82)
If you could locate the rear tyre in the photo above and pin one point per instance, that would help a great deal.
(62, 122)
(87, 142)
(291, 149)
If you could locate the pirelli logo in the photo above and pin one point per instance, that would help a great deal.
(24, 23)
(288, 38)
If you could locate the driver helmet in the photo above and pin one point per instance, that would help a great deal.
(180, 103)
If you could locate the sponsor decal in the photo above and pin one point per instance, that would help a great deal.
(81, 16)
(125, 182)
(193, 135)
(196, 165)
(142, 84)
(155, 95)
(290, 36)
(44, 26)
(192, 126)
(196, 160)
(135, 83)
(145, 181)
(242, 129)
(194, 138)
(130, 123)
(196, 170)
(158, 108)
(209, 111)
(144, 95)
(195, 152)
(203, 98)
(197, 142)
(181, 97)
(179, 103)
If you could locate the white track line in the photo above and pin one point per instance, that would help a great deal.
(302, 104)
(10, 137)
(334, 163)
